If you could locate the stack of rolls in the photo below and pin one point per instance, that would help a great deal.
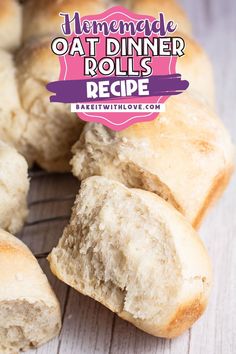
(144, 191)
(130, 243)
(14, 183)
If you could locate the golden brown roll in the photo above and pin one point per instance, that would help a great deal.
(29, 310)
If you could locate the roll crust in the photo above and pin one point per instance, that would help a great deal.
(29, 311)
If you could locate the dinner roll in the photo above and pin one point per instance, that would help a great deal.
(196, 67)
(14, 186)
(134, 253)
(41, 17)
(13, 119)
(185, 155)
(29, 310)
(51, 128)
(10, 24)
(171, 9)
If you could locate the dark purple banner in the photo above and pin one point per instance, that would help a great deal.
(75, 91)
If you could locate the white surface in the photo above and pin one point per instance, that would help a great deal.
(89, 327)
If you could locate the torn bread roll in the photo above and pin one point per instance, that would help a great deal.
(51, 128)
(42, 17)
(171, 9)
(29, 310)
(14, 186)
(134, 253)
(13, 119)
(10, 24)
(185, 155)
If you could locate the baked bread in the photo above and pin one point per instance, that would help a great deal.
(185, 155)
(196, 67)
(29, 310)
(134, 253)
(13, 119)
(43, 18)
(10, 24)
(171, 9)
(14, 186)
(51, 128)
